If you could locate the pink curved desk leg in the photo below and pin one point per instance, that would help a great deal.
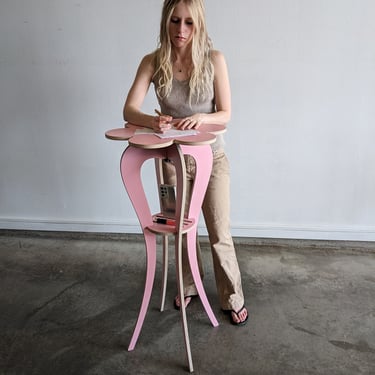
(203, 158)
(130, 167)
(150, 275)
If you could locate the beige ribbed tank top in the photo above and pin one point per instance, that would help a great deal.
(177, 105)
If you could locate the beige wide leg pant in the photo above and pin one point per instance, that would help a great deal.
(216, 212)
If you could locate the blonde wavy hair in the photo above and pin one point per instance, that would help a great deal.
(202, 74)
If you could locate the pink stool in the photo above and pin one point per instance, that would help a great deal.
(148, 146)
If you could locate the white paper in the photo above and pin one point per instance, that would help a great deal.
(173, 133)
(144, 131)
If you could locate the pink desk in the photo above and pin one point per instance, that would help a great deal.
(149, 146)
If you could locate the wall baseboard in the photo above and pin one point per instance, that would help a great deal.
(255, 244)
(336, 233)
(317, 232)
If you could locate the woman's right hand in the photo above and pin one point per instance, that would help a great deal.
(162, 123)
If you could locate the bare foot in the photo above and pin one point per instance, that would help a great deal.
(239, 317)
(177, 302)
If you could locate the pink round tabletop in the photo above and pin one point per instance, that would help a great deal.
(120, 134)
(213, 128)
(149, 140)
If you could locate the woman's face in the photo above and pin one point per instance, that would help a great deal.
(181, 26)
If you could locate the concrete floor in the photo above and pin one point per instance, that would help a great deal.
(68, 304)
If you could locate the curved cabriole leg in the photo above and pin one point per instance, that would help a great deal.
(203, 160)
(150, 275)
(192, 254)
(130, 167)
(177, 157)
(165, 272)
(131, 163)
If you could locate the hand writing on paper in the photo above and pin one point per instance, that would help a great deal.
(162, 122)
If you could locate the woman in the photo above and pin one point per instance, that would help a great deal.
(191, 83)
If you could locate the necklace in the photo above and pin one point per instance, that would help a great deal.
(180, 68)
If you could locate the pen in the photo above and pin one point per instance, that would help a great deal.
(161, 114)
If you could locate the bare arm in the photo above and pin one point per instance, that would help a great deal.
(137, 93)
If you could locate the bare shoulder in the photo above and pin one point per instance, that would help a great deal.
(219, 63)
(217, 57)
(147, 63)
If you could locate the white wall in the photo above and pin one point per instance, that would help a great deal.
(300, 139)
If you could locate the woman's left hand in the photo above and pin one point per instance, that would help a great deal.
(191, 122)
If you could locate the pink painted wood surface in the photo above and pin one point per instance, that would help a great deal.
(213, 128)
(129, 131)
(171, 229)
(120, 134)
(141, 148)
(196, 140)
(204, 128)
(149, 141)
(203, 161)
(130, 168)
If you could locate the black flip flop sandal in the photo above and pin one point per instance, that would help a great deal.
(229, 312)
